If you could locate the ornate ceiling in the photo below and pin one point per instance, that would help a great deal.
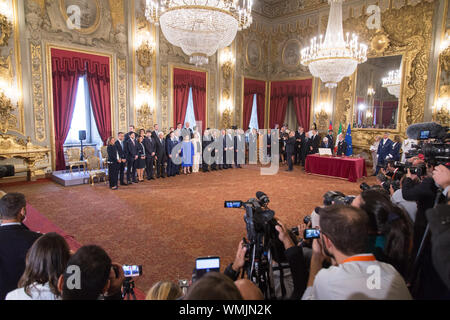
(278, 8)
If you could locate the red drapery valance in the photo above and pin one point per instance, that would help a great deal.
(67, 67)
(182, 81)
(252, 87)
(71, 62)
(300, 91)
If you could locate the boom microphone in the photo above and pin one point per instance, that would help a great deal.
(434, 130)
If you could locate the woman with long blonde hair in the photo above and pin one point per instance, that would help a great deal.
(164, 290)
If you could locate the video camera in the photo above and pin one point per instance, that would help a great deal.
(434, 143)
(336, 197)
(263, 244)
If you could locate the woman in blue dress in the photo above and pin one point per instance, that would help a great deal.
(187, 154)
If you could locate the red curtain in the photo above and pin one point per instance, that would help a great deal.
(100, 92)
(182, 81)
(252, 87)
(67, 67)
(300, 91)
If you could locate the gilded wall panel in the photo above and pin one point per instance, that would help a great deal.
(403, 34)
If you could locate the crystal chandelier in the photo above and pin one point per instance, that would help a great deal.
(333, 58)
(392, 83)
(200, 27)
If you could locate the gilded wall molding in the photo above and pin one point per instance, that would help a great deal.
(407, 36)
(37, 84)
(122, 94)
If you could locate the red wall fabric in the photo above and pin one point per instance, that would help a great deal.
(252, 87)
(300, 91)
(67, 67)
(182, 81)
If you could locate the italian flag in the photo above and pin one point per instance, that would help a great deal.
(337, 140)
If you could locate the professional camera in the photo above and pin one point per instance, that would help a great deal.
(296, 231)
(336, 197)
(6, 171)
(433, 143)
(418, 170)
(263, 244)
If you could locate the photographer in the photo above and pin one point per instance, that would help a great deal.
(423, 190)
(390, 230)
(409, 206)
(439, 220)
(343, 238)
(289, 275)
(100, 279)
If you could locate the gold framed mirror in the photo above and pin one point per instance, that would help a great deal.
(377, 94)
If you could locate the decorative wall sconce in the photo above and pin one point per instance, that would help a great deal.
(8, 104)
(227, 61)
(226, 110)
(323, 115)
(441, 110)
(145, 49)
(370, 91)
(6, 27)
(144, 111)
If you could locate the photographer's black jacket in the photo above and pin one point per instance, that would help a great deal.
(424, 194)
(439, 219)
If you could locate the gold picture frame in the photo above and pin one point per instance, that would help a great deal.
(88, 30)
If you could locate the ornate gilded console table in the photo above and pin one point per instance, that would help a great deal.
(12, 147)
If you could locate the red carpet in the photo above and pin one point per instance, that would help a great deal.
(165, 225)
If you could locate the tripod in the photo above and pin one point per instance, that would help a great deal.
(128, 289)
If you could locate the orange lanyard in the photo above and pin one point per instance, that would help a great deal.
(360, 258)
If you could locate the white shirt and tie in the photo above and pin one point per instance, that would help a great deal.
(360, 277)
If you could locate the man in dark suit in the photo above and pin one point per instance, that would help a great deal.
(150, 151)
(342, 146)
(384, 149)
(15, 240)
(330, 140)
(239, 148)
(290, 150)
(170, 144)
(120, 146)
(269, 143)
(132, 155)
(131, 130)
(314, 142)
(299, 145)
(161, 156)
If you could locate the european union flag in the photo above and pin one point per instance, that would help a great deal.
(348, 140)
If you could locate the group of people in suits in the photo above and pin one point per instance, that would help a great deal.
(387, 150)
(148, 153)
(296, 146)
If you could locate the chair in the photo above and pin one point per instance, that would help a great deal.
(88, 152)
(104, 153)
(73, 159)
(93, 166)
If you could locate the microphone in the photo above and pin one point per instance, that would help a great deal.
(435, 131)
